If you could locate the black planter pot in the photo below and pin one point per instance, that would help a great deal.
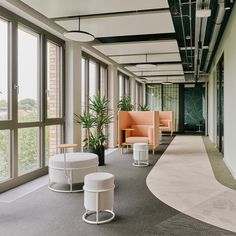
(100, 152)
(101, 155)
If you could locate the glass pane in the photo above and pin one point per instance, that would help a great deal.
(83, 85)
(4, 113)
(54, 82)
(103, 81)
(28, 150)
(28, 75)
(171, 102)
(93, 79)
(52, 139)
(4, 155)
(154, 97)
(127, 90)
(121, 86)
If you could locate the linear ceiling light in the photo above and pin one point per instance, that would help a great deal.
(145, 65)
(79, 35)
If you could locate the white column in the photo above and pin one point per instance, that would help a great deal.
(133, 92)
(73, 92)
(144, 94)
(113, 84)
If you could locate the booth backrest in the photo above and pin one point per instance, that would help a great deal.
(166, 121)
(165, 115)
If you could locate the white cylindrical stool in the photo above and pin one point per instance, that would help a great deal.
(140, 154)
(99, 197)
(68, 170)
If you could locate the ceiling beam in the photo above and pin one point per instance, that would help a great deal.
(120, 13)
(136, 38)
(160, 63)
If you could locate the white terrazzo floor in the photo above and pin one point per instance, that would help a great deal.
(183, 179)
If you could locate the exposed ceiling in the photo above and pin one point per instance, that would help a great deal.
(166, 33)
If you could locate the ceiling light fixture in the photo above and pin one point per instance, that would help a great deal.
(79, 35)
(167, 82)
(188, 37)
(145, 65)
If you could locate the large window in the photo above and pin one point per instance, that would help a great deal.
(53, 137)
(31, 99)
(4, 155)
(28, 75)
(28, 150)
(103, 81)
(94, 81)
(54, 82)
(4, 45)
(124, 85)
(139, 94)
(93, 78)
(164, 98)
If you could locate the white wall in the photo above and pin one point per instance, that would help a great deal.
(212, 107)
(113, 98)
(228, 47)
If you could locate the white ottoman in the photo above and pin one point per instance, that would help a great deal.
(99, 197)
(70, 169)
(140, 154)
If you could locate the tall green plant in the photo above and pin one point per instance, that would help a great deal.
(125, 104)
(95, 121)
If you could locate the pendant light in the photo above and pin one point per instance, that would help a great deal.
(79, 35)
(146, 65)
(167, 82)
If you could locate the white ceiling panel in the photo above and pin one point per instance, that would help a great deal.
(160, 67)
(159, 79)
(59, 8)
(135, 24)
(159, 73)
(168, 57)
(144, 47)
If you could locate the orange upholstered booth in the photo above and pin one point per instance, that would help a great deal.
(166, 121)
(138, 127)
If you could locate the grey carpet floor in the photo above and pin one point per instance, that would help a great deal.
(138, 212)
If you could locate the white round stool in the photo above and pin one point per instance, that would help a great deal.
(99, 197)
(70, 169)
(140, 154)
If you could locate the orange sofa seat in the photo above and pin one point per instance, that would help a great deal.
(140, 134)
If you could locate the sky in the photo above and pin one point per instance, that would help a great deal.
(27, 63)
